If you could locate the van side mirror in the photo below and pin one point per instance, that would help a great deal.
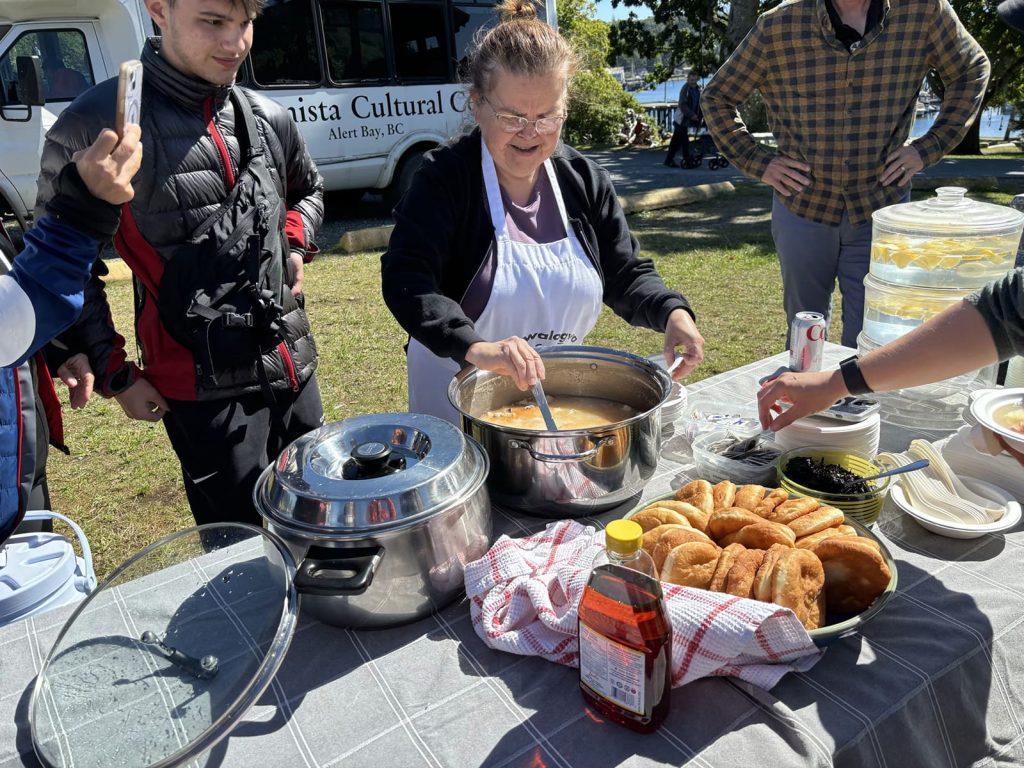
(30, 82)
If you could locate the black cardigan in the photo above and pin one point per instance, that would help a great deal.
(443, 233)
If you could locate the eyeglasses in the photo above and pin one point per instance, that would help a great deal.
(515, 123)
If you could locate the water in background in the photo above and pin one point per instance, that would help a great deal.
(993, 119)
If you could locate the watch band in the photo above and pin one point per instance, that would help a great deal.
(852, 376)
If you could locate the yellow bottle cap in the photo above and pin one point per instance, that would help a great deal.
(623, 537)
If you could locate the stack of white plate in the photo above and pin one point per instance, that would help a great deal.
(814, 431)
(673, 407)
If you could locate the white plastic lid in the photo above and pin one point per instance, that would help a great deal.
(949, 214)
(35, 567)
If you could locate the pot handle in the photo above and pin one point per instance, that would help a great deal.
(363, 561)
(566, 458)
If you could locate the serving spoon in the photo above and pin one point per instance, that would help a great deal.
(912, 467)
(545, 409)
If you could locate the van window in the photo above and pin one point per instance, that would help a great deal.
(420, 40)
(63, 56)
(354, 33)
(285, 50)
(466, 21)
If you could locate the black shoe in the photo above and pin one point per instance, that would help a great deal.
(671, 163)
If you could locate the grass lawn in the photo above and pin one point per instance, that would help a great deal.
(122, 482)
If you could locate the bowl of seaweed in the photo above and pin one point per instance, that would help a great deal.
(834, 477)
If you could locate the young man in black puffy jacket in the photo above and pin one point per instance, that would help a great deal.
(226, 205)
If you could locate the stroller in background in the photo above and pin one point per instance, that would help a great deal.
(702, 147)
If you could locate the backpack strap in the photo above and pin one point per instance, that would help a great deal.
(250, 145)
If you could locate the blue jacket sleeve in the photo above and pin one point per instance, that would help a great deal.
(42, 294)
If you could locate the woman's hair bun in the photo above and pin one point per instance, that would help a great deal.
(517, 10)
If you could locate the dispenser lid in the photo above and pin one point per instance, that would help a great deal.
(160, 662)
(949, 213)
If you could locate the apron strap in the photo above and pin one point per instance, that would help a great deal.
(557, 191)
(493, 192)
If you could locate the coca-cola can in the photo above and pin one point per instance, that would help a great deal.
(807, 337)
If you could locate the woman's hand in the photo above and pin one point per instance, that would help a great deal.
(681, 331)
(510, 357)
(809, 393)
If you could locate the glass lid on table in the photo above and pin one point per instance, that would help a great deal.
(367, 473)
(159, 663)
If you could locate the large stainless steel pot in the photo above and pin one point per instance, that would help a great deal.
(381, 512)
(569, 473)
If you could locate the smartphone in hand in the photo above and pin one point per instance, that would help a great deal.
(129, 95)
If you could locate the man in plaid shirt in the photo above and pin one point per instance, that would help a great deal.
(840, 79)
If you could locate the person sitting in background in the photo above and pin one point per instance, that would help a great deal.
(41, 295)
(628, 126)
(508, 239)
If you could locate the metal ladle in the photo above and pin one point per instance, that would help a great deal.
(545, 409)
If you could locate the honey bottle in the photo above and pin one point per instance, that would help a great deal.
(625, 635)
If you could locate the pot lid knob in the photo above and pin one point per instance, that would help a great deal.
(372, 459)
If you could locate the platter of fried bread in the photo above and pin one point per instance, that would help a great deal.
(757, 542)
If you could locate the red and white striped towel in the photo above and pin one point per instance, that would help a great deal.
(524, 594)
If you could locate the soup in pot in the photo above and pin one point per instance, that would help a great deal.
(569, 412)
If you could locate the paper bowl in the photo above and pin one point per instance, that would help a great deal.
(987, 403)
(840, 625)
(1010, 519)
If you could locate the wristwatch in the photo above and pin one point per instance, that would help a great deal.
(852, 376)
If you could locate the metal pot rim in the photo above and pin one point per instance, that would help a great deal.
(562, 351)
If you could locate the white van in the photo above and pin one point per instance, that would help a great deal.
(372, 84)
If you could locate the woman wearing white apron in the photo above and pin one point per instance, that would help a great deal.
(475, 278)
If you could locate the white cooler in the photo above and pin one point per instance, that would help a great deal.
(40, 571)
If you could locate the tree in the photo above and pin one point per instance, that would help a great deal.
(1005, 49)
(597, 102)
(697, 33)
(702, 34)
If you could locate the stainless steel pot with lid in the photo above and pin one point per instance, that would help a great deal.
(572, 472)
(382, 512)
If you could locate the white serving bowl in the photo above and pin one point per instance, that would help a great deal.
(986, 403)
(953, 530)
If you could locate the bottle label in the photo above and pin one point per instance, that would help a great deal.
(611, 670)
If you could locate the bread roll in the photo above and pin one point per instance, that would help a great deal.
(725, 560)
(725, 521)
(697, 518)
(672, 539)
(818, 520)
(739, 580)
(652, 517)
(792, 509)
(723, 493)
(855, 573)
(749, 496)
(690, 565)
(764, 535)
(797, 581)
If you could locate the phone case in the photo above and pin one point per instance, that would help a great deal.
(129, 95)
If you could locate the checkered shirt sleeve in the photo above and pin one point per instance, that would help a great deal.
(843, 112)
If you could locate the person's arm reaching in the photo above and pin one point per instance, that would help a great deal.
(952, 343)
(42, 294)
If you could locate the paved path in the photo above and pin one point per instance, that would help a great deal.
(641, 170)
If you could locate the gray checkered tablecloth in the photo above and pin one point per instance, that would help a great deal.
(935, 679)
